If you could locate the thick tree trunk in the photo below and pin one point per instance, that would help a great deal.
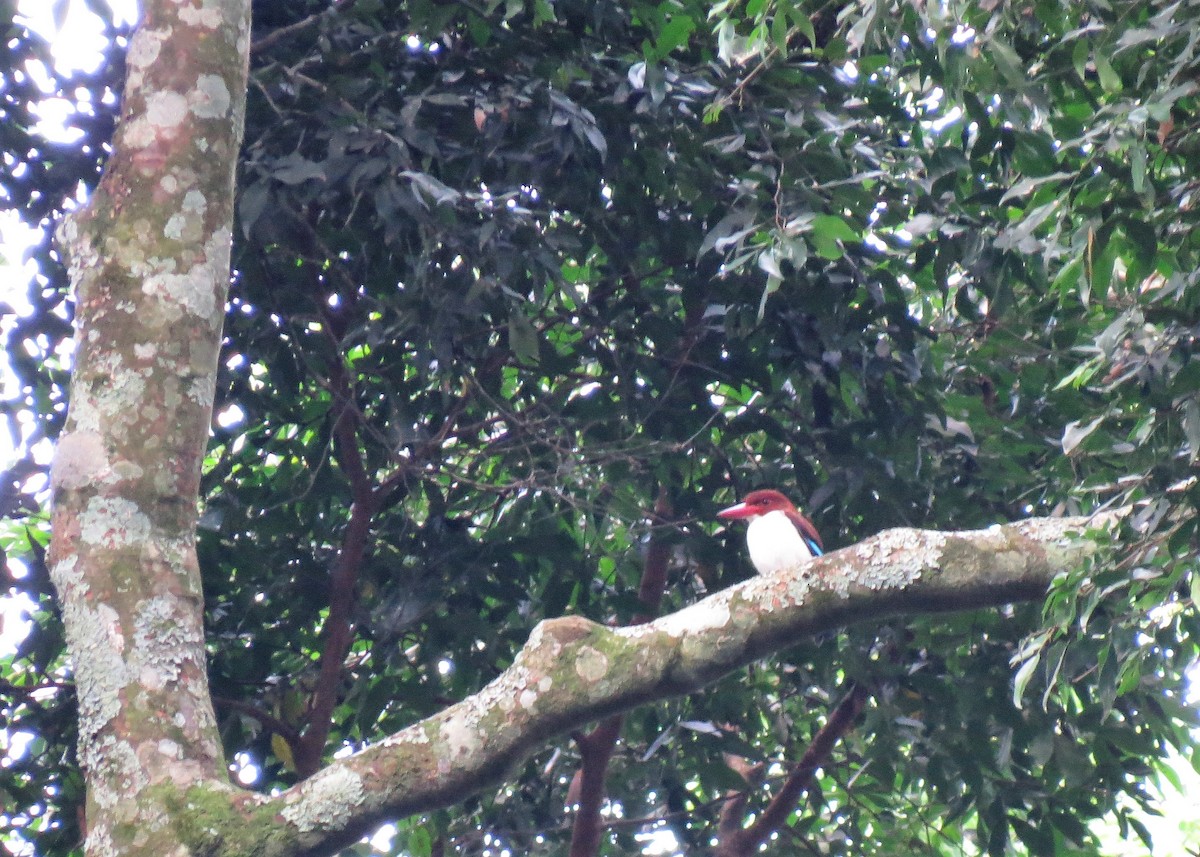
(149, 265)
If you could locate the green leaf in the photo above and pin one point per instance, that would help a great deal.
(1110, 81)
(419, 843)
(1082, 374)
(1022, 678)
(1137, 168)
(1079, 57)
(523, 338)
(543, 12)
(828, 231)
(283, 751)
(674, 34)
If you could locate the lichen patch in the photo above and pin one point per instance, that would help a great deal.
(80, 461)
(459, 729)
(113, 523)
(210, 99)
(166, 109)
(144, 47)
(163, 644)
(326, 801)
(206, 14)
(896, 558)
(191, 292)
(591, 665)
(711, 613)
(66, 574)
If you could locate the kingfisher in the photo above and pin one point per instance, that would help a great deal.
(779, 537)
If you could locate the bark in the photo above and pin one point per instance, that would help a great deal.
(148, 258)
(149, 262)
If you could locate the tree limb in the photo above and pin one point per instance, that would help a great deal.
(343, 585)
(743, 841)
(300, 26)
(572, 670)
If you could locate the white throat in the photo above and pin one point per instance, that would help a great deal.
(775, 544)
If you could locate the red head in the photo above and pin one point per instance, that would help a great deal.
(764, 502)
(758, 503)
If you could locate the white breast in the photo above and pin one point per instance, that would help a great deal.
(775, 544)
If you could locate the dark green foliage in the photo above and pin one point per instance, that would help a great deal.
(547, 260)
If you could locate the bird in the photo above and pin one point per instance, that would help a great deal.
(779, 537)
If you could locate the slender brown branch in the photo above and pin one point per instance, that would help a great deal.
(343, 584)
(729, 822)
(743, 842)
(595, 752)
(290, 30)
(285, 730)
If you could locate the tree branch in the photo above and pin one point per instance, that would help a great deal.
(290, 30)
(284, 730)
(572, 670)
(729, 822)
(743, 841)
(595, 751)
(343, 585)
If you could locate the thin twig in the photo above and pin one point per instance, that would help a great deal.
(290, 30)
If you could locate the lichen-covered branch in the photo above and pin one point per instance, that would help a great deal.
(573, 671)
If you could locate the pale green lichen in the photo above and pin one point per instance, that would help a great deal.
(66, 574)
(96, 642)
(201, 392)
(99, 842)
(169, 749)
(80, 461)
(118, 392)
(207, 14)
(117, 771)
(528, 696)
(174, 227)
(210, 99)
(166, 109)
(892, 560)
(144, 48)
(163, 643)
(194, 202)
(113, 523)
(326, 801)
(712, 612)
(187, 224)
(591, 665)
(82, 257)
(459, 730)
(190, 292)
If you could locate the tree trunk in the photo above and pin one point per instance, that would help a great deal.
(149, 266)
